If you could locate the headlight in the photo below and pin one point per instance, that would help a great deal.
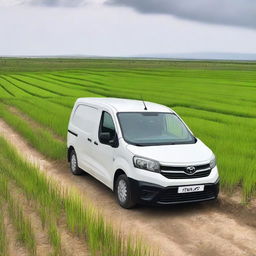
(213, 162)
(146, 164)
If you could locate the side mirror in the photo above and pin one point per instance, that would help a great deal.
(104, 137)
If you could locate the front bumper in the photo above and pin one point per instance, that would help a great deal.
(148, 193)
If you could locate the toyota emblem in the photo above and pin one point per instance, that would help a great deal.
(190, 170)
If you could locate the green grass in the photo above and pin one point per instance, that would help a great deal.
(50, 114)
(54, 201)
(3, 238)
(54, 237)
(40, 138)
(216, 99)
(14, 65)
(22, 223)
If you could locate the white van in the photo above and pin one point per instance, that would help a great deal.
(143, 151)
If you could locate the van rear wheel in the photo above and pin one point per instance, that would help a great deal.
(123, 192)
(74, 164)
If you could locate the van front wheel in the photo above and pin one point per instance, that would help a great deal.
(73, 164)
(123, 192)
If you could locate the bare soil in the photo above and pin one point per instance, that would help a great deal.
(218, 228)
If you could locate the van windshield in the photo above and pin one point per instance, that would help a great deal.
(152, 128)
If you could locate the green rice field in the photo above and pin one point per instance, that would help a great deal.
(216, 99)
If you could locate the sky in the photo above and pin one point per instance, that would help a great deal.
(126, 27)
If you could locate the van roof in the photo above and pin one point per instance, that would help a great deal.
(125, 105)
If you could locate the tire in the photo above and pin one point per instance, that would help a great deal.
(74, 164)
(123, 192)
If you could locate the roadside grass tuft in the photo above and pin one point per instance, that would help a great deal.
(22, 224)
(3, 238)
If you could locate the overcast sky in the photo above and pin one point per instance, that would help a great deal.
(126, 27)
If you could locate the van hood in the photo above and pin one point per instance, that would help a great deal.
(182, 154)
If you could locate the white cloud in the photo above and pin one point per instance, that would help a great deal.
(11, 2)
(50, 3)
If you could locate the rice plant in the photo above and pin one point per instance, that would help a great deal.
(54, 238)
(82, 219)
(22, 224)
(39, 138)
(3, 237)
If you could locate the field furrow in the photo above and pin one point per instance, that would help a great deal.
(82, 82)
(29, 90)
(78, 78)
(14, 90)
(5, 92)
(43, 90)
(55, 87)
(36, 84)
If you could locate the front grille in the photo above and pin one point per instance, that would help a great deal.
(178, 172)
(183, 175)
(171, 195)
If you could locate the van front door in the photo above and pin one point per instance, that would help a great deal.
(105, 149)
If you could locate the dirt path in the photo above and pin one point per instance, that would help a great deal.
(212, 228)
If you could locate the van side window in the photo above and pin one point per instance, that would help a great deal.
(82, 118)
(106, 127)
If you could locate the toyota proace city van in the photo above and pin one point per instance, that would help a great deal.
(143, 151)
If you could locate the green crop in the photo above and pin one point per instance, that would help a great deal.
(36, 136)
(3, 238)
(53, 201)
(22, 224)
(216, 99)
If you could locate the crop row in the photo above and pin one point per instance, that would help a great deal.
(205, 95)
(39, 138)
(52, 201)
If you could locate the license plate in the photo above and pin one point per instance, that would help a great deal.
(190, 189)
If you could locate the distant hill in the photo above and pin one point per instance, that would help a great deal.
(177, 56)
(202, 56)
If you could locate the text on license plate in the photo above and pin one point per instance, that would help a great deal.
(189, 189)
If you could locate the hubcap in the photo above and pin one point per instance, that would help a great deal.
(73, 163)
(122, 191)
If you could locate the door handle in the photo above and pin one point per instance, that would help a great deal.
(96, 143)
(89, 139)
